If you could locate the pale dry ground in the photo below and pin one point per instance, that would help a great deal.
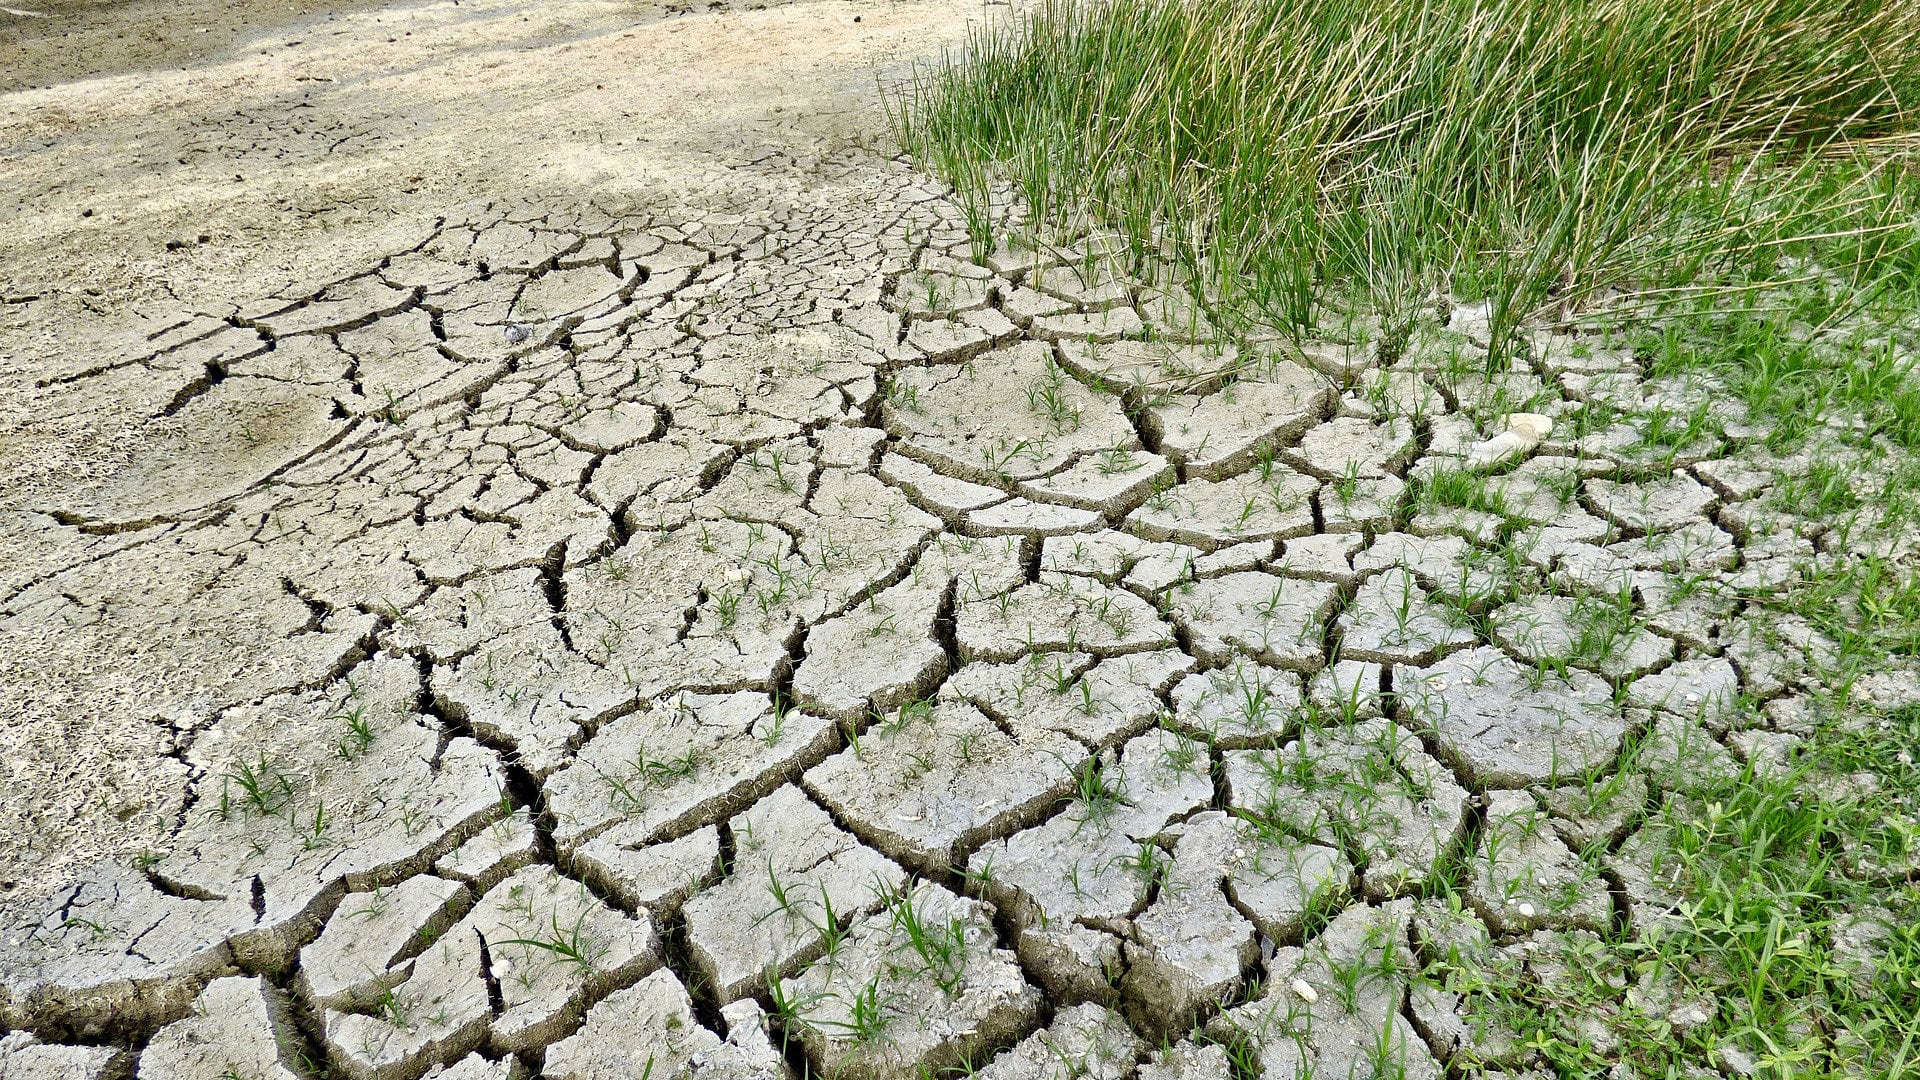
(294, 158)
(585, 559)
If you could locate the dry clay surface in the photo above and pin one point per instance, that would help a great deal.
(139, 202)
(733, 630)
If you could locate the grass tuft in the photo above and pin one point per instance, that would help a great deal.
(1297, 158)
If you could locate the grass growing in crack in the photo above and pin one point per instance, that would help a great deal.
(1117, 460)
(386, 1006)
(1602, 625)
(784, 902)
(832, 934)
(359, 735)
(1869, 607)
(1098, 789)
(1787, 947)
(1764, 349)
(909, 714)
(1047, 395)
(1460, 489)
(980, 877)
(788, 1009)
(99, 930)
(565, 944)
(1183, 753)
(942, 947)
(867, 1014)
(627, 789)
(1291, 156)
(1148, 864)
(315, 835)
(259, 786)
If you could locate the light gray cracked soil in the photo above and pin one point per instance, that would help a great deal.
(522, 541)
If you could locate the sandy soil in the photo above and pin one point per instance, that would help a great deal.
(61, 41)
(159, 161)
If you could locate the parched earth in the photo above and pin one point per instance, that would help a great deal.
(738, 632)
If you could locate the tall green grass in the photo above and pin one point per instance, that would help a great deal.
(1291, 156)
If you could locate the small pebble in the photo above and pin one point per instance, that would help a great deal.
(1305, 992)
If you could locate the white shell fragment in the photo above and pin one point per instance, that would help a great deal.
(1522, 432)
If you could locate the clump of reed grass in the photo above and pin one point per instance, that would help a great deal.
(1298, 157)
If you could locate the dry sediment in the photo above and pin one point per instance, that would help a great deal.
(760, 632)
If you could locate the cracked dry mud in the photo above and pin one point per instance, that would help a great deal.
(743, 637)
